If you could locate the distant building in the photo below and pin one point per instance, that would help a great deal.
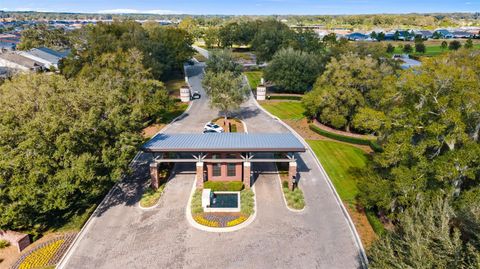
(14, 62)
(443, 33)
(357, 36)
(424, 34)
(461, 34)
(48, 57)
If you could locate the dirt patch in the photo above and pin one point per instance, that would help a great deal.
(152, 130)
(238, 123)
(363, 227)
(303, 129)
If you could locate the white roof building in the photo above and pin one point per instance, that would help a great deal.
(48, 57)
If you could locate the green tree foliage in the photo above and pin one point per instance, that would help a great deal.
(343, 88)
(407, 48)
(469, 44)
(424, 238)
(226, 91)
(42, 36)
(271, 37)
(454, 45)
(167, 48)
(420, 47)
(220, 61)
(211, 37)
(293, 71)
(63, 143)
(444, 45)
(237, 33)
(430, 134)
(390, 48)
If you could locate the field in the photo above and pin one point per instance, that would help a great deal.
(285, 110)
(337, 159)
(433, 47)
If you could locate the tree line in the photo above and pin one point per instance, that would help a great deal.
(66, 138)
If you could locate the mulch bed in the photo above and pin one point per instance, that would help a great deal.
(221, 218)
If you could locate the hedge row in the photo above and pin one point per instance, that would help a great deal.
(285, 97)
(353, 140)
(223, 185)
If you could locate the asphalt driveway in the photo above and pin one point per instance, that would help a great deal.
(120, 235)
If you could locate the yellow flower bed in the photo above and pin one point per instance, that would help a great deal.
(42, 256)
(201, 220)
(235, 222)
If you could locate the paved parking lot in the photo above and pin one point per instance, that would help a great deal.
(121, 235)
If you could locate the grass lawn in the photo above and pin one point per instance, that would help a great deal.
(254, 78)
(200, 57)
(285, 110)
(431, 49)
(173, 86)
(337, 159)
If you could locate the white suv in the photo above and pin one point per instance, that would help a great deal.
(212, 127)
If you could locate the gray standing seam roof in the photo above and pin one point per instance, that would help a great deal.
(224, 142)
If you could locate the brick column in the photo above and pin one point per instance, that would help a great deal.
(292, 172)
(154, 182)
(200, 178)
(246, 174)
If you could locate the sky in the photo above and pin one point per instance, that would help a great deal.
(245, 7)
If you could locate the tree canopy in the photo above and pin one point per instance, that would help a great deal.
(293, 71)
(64, 142)
(167, 48)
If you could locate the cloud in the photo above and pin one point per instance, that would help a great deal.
(136, 11)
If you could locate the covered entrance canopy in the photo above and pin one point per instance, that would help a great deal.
(221, 155)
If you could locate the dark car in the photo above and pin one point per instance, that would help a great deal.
(196, 95)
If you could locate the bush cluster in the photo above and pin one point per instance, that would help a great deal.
(353, 140)
(224, 185)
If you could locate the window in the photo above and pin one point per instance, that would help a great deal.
(217, 170)
(231, 156)
(231, 170)
(215, 156)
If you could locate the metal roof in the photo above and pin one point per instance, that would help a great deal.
(224, 142)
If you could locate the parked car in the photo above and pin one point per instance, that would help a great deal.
(210, 131)
(213, 127)
(196, 95)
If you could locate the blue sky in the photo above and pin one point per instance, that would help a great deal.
(247, 7)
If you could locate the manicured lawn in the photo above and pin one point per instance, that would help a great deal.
(337, 159)
(285, 110)
(432, 50)
(254, 78)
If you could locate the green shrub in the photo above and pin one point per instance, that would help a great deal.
(196, 205)
(294, 198)
(285, 97)
(353, 140)
(247, 202)
(150, 197)
(376, 224)
(4, 244)
(233, 128)
(223, 185)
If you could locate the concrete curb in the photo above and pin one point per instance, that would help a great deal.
(193, 223)
(63, 261)
(356, 237)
